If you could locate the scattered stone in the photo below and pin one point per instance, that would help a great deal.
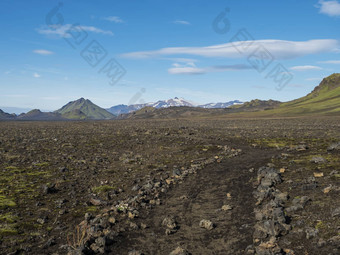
(134, 252)
(321, 243)
(95, 202)
(134, 226)
(334, 172)
(88, 216)
(42, 221)
(335, 240)
(176, 172)
(112, 220)
(207, 224)
(63, 169)
(96, 249)
(336, 212)
(318, 174)
(169, 222)
(131, 215)
(311, 233)
(318, 160)
(49, 243)
(334, 146)
(250, 250)
(179, 251)
(49, 189)
(63, 211)
(301, 147)
(327, 189)
(136, 187)
(268, 248)
(227, 207)
(288, 252)
(298, 204)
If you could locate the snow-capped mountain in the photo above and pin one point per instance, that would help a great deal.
(220, 105)
(171, 102)
(122, 109)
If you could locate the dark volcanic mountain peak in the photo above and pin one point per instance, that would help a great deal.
(5, 115)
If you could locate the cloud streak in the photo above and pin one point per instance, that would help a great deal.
(114, 19)
(305, 68)
(330, 8)
(278, 48)
(335, 62)
(36, 75)
(181, 22)
(62, 31)
(191, 69)
(43, 52)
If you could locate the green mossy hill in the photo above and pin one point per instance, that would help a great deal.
(83, 109)
(324, 99)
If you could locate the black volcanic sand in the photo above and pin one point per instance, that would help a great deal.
(52, 173)
(202, 197)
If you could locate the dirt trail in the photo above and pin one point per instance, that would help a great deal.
(201, 197)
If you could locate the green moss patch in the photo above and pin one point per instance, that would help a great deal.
(102, 189)
(5, 202)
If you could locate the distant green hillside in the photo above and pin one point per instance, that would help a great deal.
(255, 105)
(83, 109)
(39, 115)
(324, 99)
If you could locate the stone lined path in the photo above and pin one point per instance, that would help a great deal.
(201, 197)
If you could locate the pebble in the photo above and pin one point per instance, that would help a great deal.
(179, 251)
(207, 224)
(227, 207)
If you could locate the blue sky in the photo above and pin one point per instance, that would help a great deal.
(193, 49)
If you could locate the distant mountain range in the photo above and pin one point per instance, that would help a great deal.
(324, 99)
(84, 109)
(124, 109)
(81, 109)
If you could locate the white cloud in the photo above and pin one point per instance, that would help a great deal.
(62, 31)
(336, 62)
(305, 68)
(191, 69)
(43, 52)
(278, 48)
(96, 30)
(186, 70)
(114, 19)
(330, 8)
(36, 75)
(181, 22)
